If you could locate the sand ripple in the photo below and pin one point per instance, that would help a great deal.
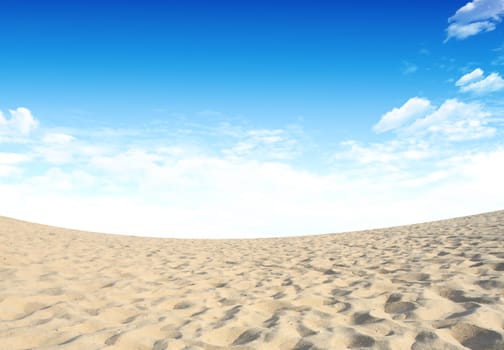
(437, 285)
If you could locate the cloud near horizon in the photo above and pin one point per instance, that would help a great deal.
(254, 183)
(475, 17)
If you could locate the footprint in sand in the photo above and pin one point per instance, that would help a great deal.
(201, 312)
(428, 341)
(338, 306)
(272, 321)
(160, 344)
(248, 336)
(182, 305)
(304, 345)
(499, 266)
(394, 305)
(112, 340)
(414, 276)
(470, 308)
(305, 331)
(70, 340)
(458, 296)
(230, 314)
(131, 319)
(361, 341)
(279, 295)
(338, 292)
(477, 338)
(360, 318)
(490, 284)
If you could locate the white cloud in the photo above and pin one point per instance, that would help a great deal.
(413, 108)
(9, 170)
(57, 138)
(477, 10)
(463, 31)
(21, 122)
(265, 143)
(66, 149)
(9, 163)
(475, 17)
(252, 199)
(491, 83)
(56, 179)
(386, 152)
(131, 163)
(476, 74)
(454, 120)
(55, 154)
(13, 158)
(238, 189)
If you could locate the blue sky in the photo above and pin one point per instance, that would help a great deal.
(239, 119)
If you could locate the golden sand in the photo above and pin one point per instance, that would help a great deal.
(436, 285)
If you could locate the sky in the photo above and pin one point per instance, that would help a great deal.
(237, 119)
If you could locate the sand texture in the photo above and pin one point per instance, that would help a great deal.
(436, 285)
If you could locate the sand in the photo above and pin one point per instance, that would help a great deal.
(436, 285)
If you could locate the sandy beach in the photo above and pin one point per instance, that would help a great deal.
(436, 285)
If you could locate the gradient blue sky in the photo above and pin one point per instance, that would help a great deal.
(207, 118)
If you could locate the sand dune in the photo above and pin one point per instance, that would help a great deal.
(436, 285)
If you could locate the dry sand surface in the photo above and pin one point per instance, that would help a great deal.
(436, 285)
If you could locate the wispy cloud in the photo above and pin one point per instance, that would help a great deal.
(10, 163)
(268, 144)
(388, 152)
(57, 138)
(13, 158)
(251, 182)
(476, 74)
(475, 82)
(475, 17)
(498, 61)
(454, 120)
(409, 68)
(397, 117)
